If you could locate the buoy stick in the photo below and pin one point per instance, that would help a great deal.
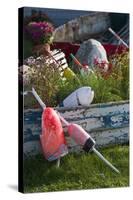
(44, 106)
(106, 161)
(118, 37)
(76, 60)
(63, 120)
(58, 162)
(38, 98)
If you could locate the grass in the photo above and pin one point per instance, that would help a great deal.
(77, 171)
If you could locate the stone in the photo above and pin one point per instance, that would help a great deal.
(92, 53)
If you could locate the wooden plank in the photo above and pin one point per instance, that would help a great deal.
(62, 61)
(59, 56)
(107, 123)
(103, 138)
(55, 51)
(62, 67)
(32, 148)
(112, 116)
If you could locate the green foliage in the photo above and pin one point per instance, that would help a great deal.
(53, 89)
(77, 171)
(36, 16)
(43, 77)
(66, 87)
(27, 48)
(113, 88)
(120, 73)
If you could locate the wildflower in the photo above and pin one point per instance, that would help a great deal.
(101, 64)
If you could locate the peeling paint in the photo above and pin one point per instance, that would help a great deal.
(107, 123)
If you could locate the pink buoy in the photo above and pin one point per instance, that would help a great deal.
(52, 138)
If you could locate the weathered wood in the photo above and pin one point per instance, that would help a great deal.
(60, 58)
(55, 51)
(82, 28)
(107, 123)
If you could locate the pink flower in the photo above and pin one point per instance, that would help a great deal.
(37, 31)
(96, 62)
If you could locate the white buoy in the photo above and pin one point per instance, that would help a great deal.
(82, 96)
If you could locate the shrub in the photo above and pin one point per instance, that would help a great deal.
(53, 89)
(43, 78)
(114, 87)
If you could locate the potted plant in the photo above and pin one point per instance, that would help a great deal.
(41, 36)
(38, 34)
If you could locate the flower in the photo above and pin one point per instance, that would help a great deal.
(85, 67)
(39, 32)
(101, 64)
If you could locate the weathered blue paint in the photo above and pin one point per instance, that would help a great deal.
(28, 135)
(99, 105)
(107, 123)
(32, 116)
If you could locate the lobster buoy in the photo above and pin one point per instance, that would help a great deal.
(52, 138)
(82, 96)
(81, 137)
(84, 139)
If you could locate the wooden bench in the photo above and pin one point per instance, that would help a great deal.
(59, 58)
